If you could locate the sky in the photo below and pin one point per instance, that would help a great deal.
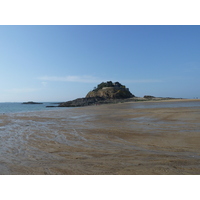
(61, 63)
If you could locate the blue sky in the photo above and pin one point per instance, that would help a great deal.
(60, 63)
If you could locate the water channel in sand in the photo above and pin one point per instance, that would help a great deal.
(129, 138)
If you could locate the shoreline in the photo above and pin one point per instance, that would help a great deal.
(175, 100)
(68, 109)
(84, 102)
(56, 108)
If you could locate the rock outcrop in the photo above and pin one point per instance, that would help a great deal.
(111, 93)
(107, 92)
(148, 97)
(31, 102)
(81, 102)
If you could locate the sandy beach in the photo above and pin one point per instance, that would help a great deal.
(118, 139)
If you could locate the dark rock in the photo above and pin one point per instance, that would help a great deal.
(93, 101)
(81, 102)
(31, 102)
(148, 97)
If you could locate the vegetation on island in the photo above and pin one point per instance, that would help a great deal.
(108, 84)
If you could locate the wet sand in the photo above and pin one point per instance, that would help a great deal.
(107, 139)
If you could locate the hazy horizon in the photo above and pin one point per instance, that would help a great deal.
(60, 63)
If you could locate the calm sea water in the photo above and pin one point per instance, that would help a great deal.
(19, 107)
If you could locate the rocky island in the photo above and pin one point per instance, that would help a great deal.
(31, 102)
(105, 92)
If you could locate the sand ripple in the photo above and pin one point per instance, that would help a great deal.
(106, 139)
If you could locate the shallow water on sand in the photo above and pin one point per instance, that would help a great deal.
(107, 139)
(189, 104)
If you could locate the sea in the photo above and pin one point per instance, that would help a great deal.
(19, 107)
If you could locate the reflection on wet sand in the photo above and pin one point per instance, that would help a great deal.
(105, 139)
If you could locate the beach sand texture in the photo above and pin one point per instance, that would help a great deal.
(102, 140)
